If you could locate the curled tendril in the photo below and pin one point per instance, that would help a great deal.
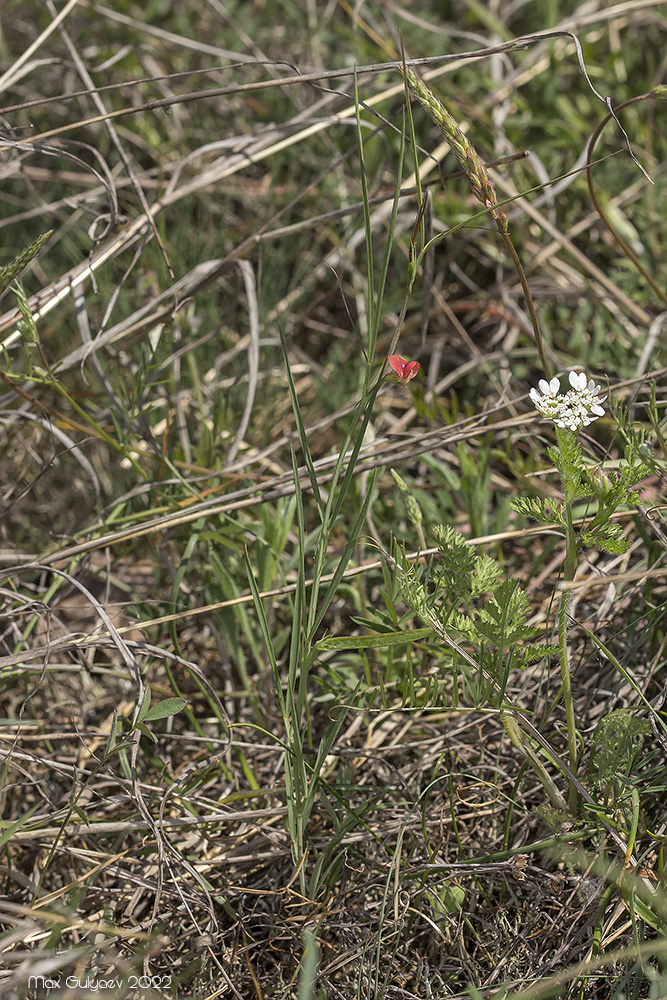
(650, 511)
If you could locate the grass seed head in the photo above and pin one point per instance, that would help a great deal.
(463, 149)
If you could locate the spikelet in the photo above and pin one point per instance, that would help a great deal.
(463, 149)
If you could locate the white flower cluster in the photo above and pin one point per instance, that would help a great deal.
(574, 409)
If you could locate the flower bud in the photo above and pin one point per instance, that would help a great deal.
(600, 482)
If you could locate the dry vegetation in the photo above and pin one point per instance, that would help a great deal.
(198, 800)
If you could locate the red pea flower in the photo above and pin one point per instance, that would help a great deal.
(405, 370)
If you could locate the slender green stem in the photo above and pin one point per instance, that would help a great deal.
(530, 305)
(520, 741)
(571, 552)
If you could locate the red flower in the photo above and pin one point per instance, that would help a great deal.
(405, 370)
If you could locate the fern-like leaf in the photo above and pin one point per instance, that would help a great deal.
(539, 509)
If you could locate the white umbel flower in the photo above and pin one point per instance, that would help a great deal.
(574, 409)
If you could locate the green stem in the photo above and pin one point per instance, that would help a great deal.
(571, 552)
(530, 305)
(520, 741)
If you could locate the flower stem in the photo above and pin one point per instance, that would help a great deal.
(530, 305)
(571, 552)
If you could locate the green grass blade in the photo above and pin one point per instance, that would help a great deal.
(301, 431)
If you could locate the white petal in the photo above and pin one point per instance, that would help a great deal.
(554, 385)
(578, 380)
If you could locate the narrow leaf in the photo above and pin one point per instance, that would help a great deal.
(377, 641)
